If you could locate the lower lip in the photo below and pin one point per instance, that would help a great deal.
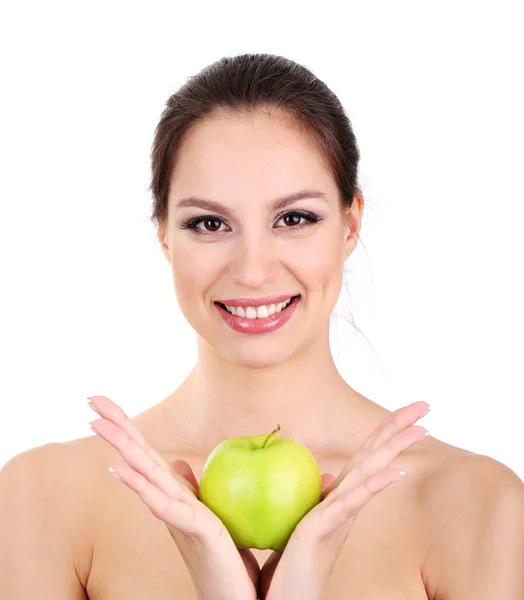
(267, 325)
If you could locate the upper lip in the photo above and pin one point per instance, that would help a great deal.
(245, 302)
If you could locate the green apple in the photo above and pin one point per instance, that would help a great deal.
(260, 487)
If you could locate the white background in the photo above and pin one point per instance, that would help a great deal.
(88, 305)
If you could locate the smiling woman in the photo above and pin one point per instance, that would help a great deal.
(244, 139)
(256, 195)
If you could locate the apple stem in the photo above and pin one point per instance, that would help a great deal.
(272, 433)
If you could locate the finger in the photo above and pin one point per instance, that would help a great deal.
(326, 479)
(182, 468)
(267, 571)
(110, 411)
(397, 421)
(379, 460)
(140, 460)
(251, 564)
(346, 508)
(178, 514)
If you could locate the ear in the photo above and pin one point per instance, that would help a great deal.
(353, 223)
(161, 235)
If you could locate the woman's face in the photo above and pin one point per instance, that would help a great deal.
(250, 249)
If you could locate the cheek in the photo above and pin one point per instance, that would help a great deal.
(322, 272)
(192, 275)
(322, 261)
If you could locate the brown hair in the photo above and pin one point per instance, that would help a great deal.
(247, 83)
(257, 82)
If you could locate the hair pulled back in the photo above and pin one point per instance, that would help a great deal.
(244, 84)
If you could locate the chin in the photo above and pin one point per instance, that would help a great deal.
(251, 359)
(256, 364)
(255, 354)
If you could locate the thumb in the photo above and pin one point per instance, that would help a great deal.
(326, 479)
(182, 468)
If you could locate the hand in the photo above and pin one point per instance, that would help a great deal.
(170, 490)
(303, 569)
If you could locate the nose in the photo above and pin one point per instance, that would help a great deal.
(255, 263)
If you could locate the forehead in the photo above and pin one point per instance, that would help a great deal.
(224, 153)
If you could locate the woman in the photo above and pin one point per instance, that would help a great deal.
(254, 178)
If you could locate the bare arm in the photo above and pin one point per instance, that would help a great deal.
(39, 527)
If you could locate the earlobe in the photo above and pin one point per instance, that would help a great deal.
(353, 222)
(350, 246)
(161, 239)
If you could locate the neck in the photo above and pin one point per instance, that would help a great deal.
(304, 394)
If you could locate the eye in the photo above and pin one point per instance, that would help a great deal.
(293, 217)
(215, 222)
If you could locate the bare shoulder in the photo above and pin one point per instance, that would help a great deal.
(466, 486)
(469, 502)
(51, 483)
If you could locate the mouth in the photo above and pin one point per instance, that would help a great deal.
(290, 303)
(256, 325)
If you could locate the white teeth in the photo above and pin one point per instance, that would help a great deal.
(251, 313)
(261, 312)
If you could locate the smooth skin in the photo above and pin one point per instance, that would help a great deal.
(219, 569)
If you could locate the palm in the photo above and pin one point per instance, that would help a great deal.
(271, 564)
(319, 536)
(181, 467)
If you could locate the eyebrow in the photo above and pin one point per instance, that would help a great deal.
(281, 202)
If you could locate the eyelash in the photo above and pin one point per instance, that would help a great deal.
(309, 216)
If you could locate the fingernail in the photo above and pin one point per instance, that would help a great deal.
(399, 475)
(115, 474)
(93, 406)
(428, 409)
